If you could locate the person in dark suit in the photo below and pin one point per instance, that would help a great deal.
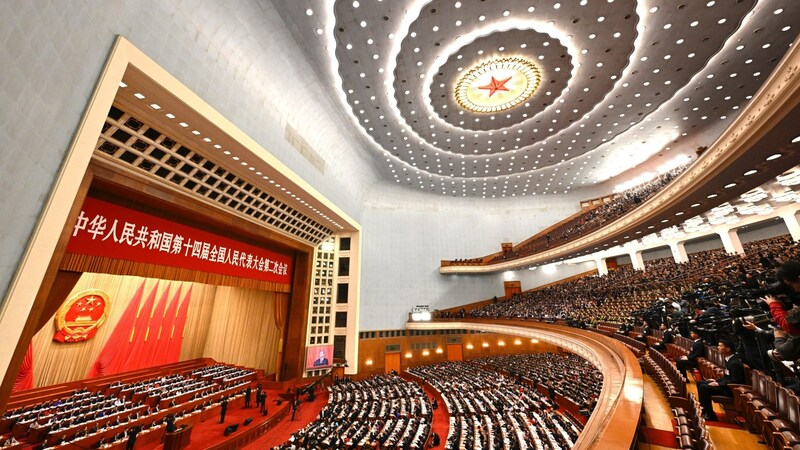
(132, 432)
(690, 361)
(223, 409)
(666, 338)
(171, 427)
(435, 440)
(322, 360)
(262, 398)
(734, 374)
(247, 394)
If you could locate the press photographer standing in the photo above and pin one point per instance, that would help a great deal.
(787, 339)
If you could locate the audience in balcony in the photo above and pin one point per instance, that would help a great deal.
(614, 297)
(592, 219)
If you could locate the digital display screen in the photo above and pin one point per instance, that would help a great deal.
(319, 357)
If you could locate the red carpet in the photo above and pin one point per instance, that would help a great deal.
(722, 422)
(441, 418)
(658, 437)
(306, 414)
(211, 432)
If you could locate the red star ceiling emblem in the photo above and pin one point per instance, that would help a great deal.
(496, 85)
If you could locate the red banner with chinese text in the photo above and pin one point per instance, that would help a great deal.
(113, 231)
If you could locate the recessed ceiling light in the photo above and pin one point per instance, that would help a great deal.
(139, 95)
(711, 195)
(319, 31)
(309, 12)
(796, 140)
(730, 185)
(774, 157)
(750, 172)
(122, 84)
(183, 124)
(170, 116)
(155, 106)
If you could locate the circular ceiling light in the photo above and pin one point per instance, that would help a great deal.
(497, 85)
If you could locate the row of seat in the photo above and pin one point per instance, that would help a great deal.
(692, 433)
(665, 374)
(770, 410)
(638, 348)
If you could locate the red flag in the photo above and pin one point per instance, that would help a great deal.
(25, 376)
(137, 341)
(112, 358)
(161, 355)
(176, 340)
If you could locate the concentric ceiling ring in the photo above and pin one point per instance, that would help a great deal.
(497, 85)
(620, 78)
(556, 65)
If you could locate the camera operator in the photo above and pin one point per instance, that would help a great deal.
(787, 339)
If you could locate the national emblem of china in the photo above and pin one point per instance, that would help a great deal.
(79, 317)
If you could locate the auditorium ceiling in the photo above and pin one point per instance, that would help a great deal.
(482, 98)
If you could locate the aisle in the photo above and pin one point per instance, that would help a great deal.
(306, 414)
(440, 423)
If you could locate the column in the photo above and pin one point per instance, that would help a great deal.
(602, 269)
(636, 259)
(790, 219)
(679, 252)
(731, 241)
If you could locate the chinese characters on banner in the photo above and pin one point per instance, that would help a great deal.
(112, 231)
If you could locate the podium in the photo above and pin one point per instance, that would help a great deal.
(179, 439)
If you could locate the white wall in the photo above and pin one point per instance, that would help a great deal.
(406, 234)
(237, 55)
(756, 232)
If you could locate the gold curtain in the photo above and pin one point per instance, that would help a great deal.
(242, 329)
(231, 325)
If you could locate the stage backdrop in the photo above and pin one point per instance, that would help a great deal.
(232, 325)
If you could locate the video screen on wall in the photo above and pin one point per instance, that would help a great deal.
(319, 357)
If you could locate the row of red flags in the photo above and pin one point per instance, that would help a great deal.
(151, 338)
(146, 335)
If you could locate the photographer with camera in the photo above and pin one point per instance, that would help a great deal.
(782, 302)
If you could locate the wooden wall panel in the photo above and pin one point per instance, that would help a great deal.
(392, 362)
(455, 352)
(472, 347)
